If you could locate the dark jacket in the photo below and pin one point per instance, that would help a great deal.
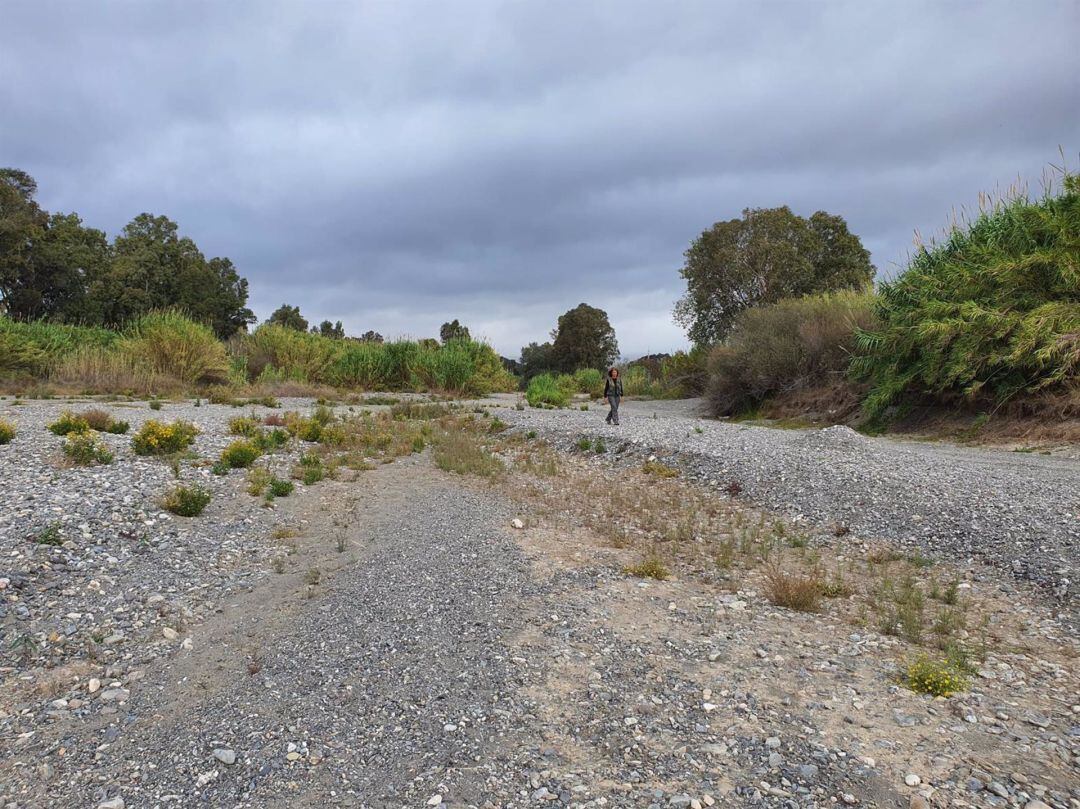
(613, 387)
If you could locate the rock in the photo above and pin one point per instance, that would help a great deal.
(169, 633)
(808, 771)
(186, 644)
(918, 802)
(434, 800)
(518, 524)
(114, 695)
(998, 789)
(773, 742)
(912, 780)
(775, 760)
(112, 803)
(93, 685)
(679, 801)
(225, 756)
(1036, 805)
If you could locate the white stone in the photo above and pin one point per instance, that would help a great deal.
(93, 685)
(516, 523)
(912, 780)
(225, 756)
(169, 633)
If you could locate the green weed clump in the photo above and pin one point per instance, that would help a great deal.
(310, 470)
(186, 501)
(659, 470)
(69, 423)
(247, 426)
(86, 449)
(934, 677)
(7, 431)
(651, 567)
(156, 438)
(544, 390)
(240, 454)
(991, 312)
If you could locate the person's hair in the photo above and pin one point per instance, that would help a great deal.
(612, 371)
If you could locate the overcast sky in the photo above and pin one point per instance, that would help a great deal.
(397, 164)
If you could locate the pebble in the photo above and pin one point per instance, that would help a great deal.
(225, 756)
(912, 780)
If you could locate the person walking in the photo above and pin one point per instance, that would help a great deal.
(613, 393)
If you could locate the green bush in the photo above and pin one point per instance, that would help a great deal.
(589, 380)
(787, 346)
(155, 438)
(174, 346)
(69, 423)
(544, 390)
(7, 431)
(186, 501)
(934, 677)
(310, 470)
(240, 454)
(33, 349)
(270, 440)
(247, 426)
(991, 312)
(86, 449)
(685, 373)
(280, 488)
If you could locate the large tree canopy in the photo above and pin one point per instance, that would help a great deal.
(289, 317)
(768, 254)
(584, 339)
(53, 267)
(453, 331)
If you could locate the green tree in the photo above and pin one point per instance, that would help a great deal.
(583, 339)
(153, 267)
(453, 331)
(536, 359)
(768, 254)
(21, 223)
(335, 331)
(65, 258)
(289, 317)
(371, 337)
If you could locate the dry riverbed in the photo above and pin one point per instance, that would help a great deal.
(405, 636)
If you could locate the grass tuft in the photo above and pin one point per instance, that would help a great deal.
(796, 591)
(651, 567)
(186, 501)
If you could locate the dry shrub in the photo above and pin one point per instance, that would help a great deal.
(796, 591)
(790, 345)
(106, 370)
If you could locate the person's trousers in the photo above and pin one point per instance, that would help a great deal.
(613, 414)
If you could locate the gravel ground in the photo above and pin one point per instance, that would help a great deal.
(402, 645)
(1020, 512)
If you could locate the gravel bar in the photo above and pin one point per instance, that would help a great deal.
(1016, 511)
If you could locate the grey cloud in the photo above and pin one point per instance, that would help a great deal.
(393, 165)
